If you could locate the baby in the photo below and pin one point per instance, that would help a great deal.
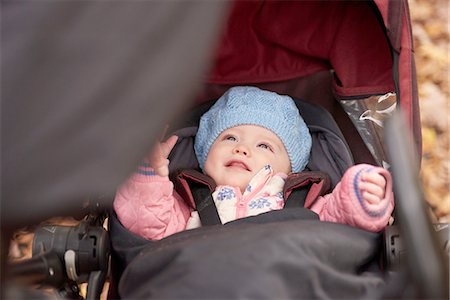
(249, 142)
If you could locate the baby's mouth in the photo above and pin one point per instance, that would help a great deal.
(238, 164)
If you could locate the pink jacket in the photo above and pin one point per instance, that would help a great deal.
(147, 205)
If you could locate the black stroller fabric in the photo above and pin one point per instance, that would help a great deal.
(276, 260)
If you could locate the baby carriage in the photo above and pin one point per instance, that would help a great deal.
(350, 65)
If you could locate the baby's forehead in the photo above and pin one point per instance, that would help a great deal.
(254, 130)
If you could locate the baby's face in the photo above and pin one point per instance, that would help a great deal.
(241, 152)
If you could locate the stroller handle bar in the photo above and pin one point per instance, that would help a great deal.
(427, 262)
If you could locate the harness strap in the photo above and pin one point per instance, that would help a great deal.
(204, 203)
(196, 189)
(297, 197)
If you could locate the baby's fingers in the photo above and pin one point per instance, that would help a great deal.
(168, 145)
(160, 152)
(374, 178)
(373, 187)
(156, 157)
(372, 198)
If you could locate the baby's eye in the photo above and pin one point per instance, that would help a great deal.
(265, 146)
(230, 138)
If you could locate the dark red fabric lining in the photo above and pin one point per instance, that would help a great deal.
(278, 40)
(320, 184)
(181, 184)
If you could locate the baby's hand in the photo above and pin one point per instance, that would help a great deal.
(158, 157)
(373, 187)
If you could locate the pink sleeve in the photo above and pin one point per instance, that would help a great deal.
(345, 204)
(147, 205)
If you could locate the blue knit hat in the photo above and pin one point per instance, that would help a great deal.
(246, 105)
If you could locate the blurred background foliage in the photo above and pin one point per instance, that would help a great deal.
(431, 31)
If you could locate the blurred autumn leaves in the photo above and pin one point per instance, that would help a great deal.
(431, 31)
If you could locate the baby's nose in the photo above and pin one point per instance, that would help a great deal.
(239, 149)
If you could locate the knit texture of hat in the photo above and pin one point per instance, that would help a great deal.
(252, 106)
